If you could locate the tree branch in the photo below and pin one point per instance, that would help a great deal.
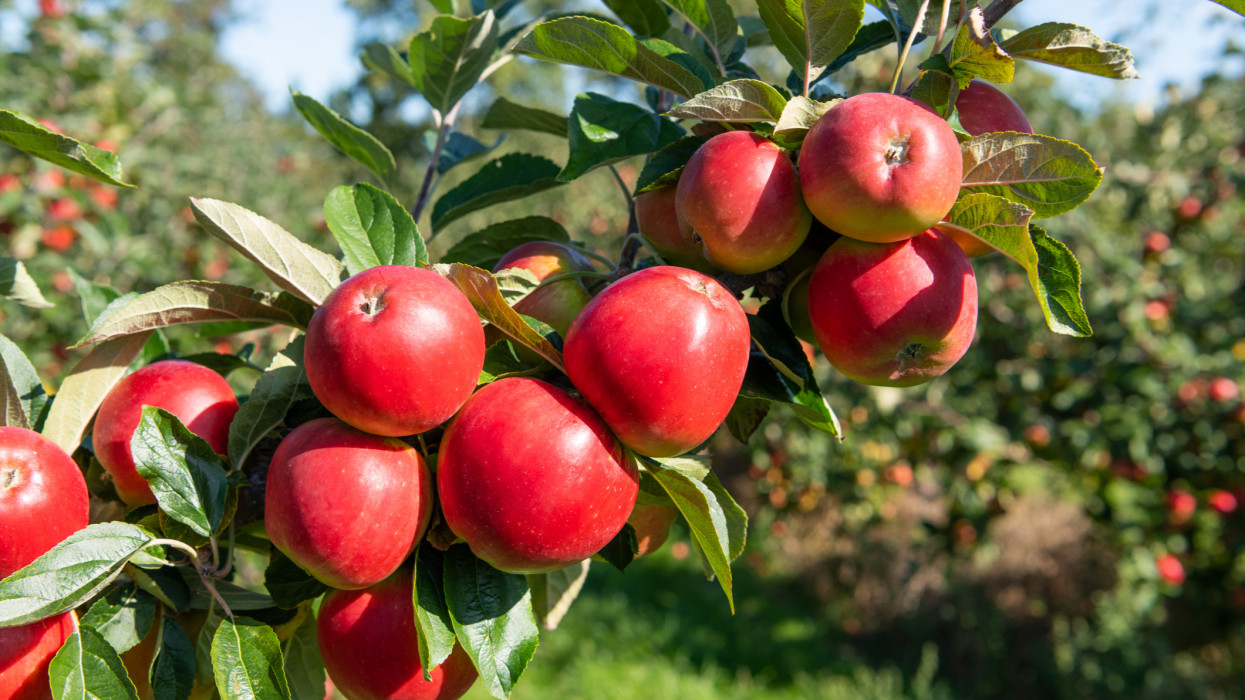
(996, 10)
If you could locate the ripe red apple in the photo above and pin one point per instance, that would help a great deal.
(984, 108)
(880, 168)
(1170, 569)
(371, 649)
(558, 303)
(531, 478)
(1222, 502)
(660, 354)
(652, 527)
(741, 195)
(673, 238)
(894, 314)
(394, 350)
(1223, 389)
(25, 653)
(199, 397)
(346, 506)
(43, 497)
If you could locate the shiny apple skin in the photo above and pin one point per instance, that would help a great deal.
(345, 505)
(43, 497)
(984, 108)
(25, 653)
(200, 398)
(370, 646)
(881, 168)
(394, 350)
(894, 314)
(555, 304)
(658, 219)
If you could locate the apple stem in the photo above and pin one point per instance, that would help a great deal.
(907, 47)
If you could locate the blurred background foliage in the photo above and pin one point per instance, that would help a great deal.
(1055, 517)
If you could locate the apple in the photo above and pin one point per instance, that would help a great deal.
(555, 304)
(532, 479)
(658, 219)
(371, 649)
(1170, 569)
(25, 653)
(1180, 506)
(138, 658)
(652, 527)
(43, 497)
(1223, 389)
(394, 350)
(984, 108)
(894, 314)
(881, 168)
(740, 194)
(1222, 502)
(345, 505)
(661, 355)
(200, 398)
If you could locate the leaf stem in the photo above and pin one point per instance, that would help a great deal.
(623, 186)
(907, 47)
(179, 546)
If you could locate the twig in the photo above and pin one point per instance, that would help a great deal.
(903, 56)
(942, 26)
(996, 10)
(425, 188)
(623, 186)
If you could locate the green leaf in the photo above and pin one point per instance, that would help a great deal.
(11, 412)
(17, 285)
(619, 552)
(735, 101)
(938, 90)
(287, 582)
(87, 668)
(686, 53)
(448, 59)
(165, 583)
(665, 166)
(870, 38)
(493, 619)
(798, 116)
(184, 472)
(443, 6)
(247, 661)
(196, 301)
(712, 19)
(236, 597)
(811, 34)
(481, 289)
(504, 114)
(304, 666)
(123, 616)
(32, 399)
(486, 247)
(173, 674)
(282, 385)
(1237, 6)
(84, 389)
(1046, 174)
(990, 218)
(605, 131)
(779, 371)
(553, 593)
(746, 416)
(204, 672)
(975, 55)
(645, 17)
(70, 573)
(373, 229)
(458, 148)
(513, 176)
(347, 137)
(1058, 286)
(26, 134)
(1076, 48)
(692, 467)
(382, 58)
(500, 360)
(607, 47)
(433, 624)
(293, 265)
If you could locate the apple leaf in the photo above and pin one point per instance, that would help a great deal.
(382, 58)
(1057, 283)
(604, 46)
(184, 472)
(280, 386)
(289, 584)
(779, 371)
(448, 58)
(16, 370)
(346, 137)
(744, 100)
(304, 667)
(458, 148)
(712, 19)
(645, 17)
(746, 416)
(666, 165)
(1073, 47)
(373, 229)
(1002, 224)
(1045, 174)
(70, 573)
(293, 265)
(604, 131)
(204, 673)
(83, 390)
(620, 551)
(87, 668)
(811, 34)
(433, 625)
(173, 673)
(247, 661)
(11, 412)
(553, 593)
(515, 283)
(1237, 6)
(798, 116)
(123, 616)
(481, 289)
(937, 89)
(493, 619)
(500, 360)
(510, 177)
(486, 247)
(17, 285)
(504, 114)
(870, 38)
(26, 134)
(975, 55)
(196, 301)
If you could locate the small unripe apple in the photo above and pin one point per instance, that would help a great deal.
(741, 195)
(661, 355)
(894, 314)
(371, 649)
(658, 219)
(346, 506)
(394, 350)
(652, 527)
(531, 478)
(200, 398)
(555, 304)
(984, 108)
(43, 497)
(25, 653)
(881, 168)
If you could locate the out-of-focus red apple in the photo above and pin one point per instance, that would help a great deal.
(1170, 569)
(1222, 502)
(1223, 389)
(1180, 506)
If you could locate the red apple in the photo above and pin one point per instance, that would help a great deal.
(394, 350)
(199, 397)
(558, 303)
(741, 195)
(371, 649)
(43, 497)
(531, 478)
(894, 314)
(880, 168)
(1170, 569)
(660, 354)
(25, 653)
(1223, 389)
(346, 506)
(984, 108)
(652, 527)
(1222, 502)
(658, 220)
